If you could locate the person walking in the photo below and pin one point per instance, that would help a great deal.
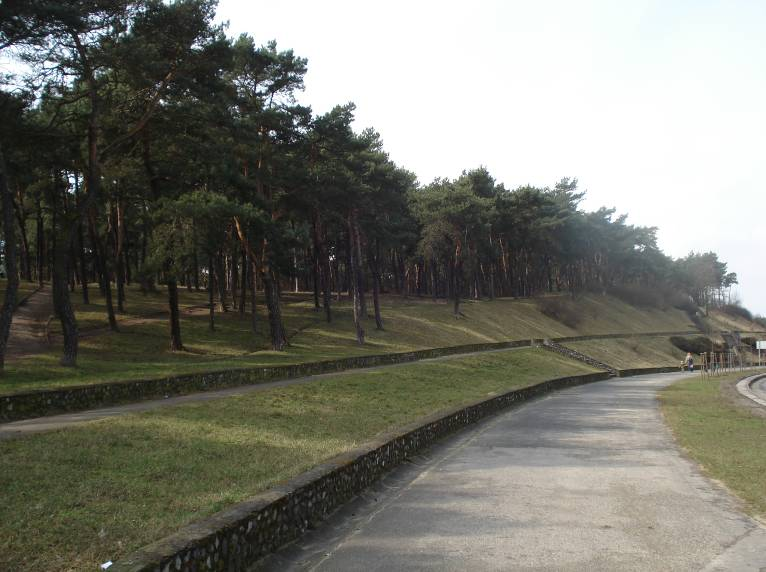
(689, 361)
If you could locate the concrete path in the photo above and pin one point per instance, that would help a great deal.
(588, 478)
(28, 328)
(16, 429)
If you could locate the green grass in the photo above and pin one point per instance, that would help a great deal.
(25, 288)
(140, 350)
(75, 498)
(632, 352)
(727, 441)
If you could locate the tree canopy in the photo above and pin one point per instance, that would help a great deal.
(143, 144)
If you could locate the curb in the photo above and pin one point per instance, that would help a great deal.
(743, 386)
(236, 538)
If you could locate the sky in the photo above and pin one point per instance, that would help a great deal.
(658, 108)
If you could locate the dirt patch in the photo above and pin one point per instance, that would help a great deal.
(28, 333)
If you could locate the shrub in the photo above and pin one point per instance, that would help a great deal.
(737, 311)
(560, 310)
(700, 322)
(683, 302)
(761, 321)
(749, 342)
(638, 296)
(696, 345)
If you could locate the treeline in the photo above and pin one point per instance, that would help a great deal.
(143, 145)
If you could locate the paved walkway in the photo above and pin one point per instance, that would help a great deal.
(28, 328)
(588, 478)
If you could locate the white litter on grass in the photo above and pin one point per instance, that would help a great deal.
(106, 565)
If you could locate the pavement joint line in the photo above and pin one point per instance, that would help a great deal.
(744, 387)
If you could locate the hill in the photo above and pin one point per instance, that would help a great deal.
(140, 349)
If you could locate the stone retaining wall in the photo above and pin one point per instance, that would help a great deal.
(578, 356)
(623, 336)
(44, 402)
(40, 403)
(236, 538)
(647, 370)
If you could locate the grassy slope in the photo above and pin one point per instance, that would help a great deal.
(723, 321)
(632, 353)
(140, 350)
(728, 442)
(123, 482)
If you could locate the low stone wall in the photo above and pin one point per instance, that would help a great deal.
(236, 538)
(578, 356)
(647, 370)
(40, 403)
(623, 336)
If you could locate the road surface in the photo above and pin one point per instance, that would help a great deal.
(759, 388)
(587, 478)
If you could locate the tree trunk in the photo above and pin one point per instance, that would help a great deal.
(81, 247)
(457, 271)
(175, 322)
(26, 261)
(63, 304)
(376, 300)
(277, 330)
(120, 277)
(357, 266)
(315, 268)
(221, 281)
(40, 245)
(325, 271)
(101, 261)
(354, 282)
(243, 284)
(233, 278)
(195, 269)
(253, 313)
(9, 237)
(374, 261)
(211, 292)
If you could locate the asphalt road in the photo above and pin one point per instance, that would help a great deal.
(759, 388)
(588, 478)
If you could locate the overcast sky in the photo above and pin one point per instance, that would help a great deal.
(657, 107)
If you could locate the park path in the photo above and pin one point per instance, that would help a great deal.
(28, 333)
(24, 427)
(588, 478)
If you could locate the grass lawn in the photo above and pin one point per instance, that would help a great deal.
(75, 498)
(632, 353)
(25, 288)
(140, 350)
(727, 441)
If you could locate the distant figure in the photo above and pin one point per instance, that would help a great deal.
(689, 361)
